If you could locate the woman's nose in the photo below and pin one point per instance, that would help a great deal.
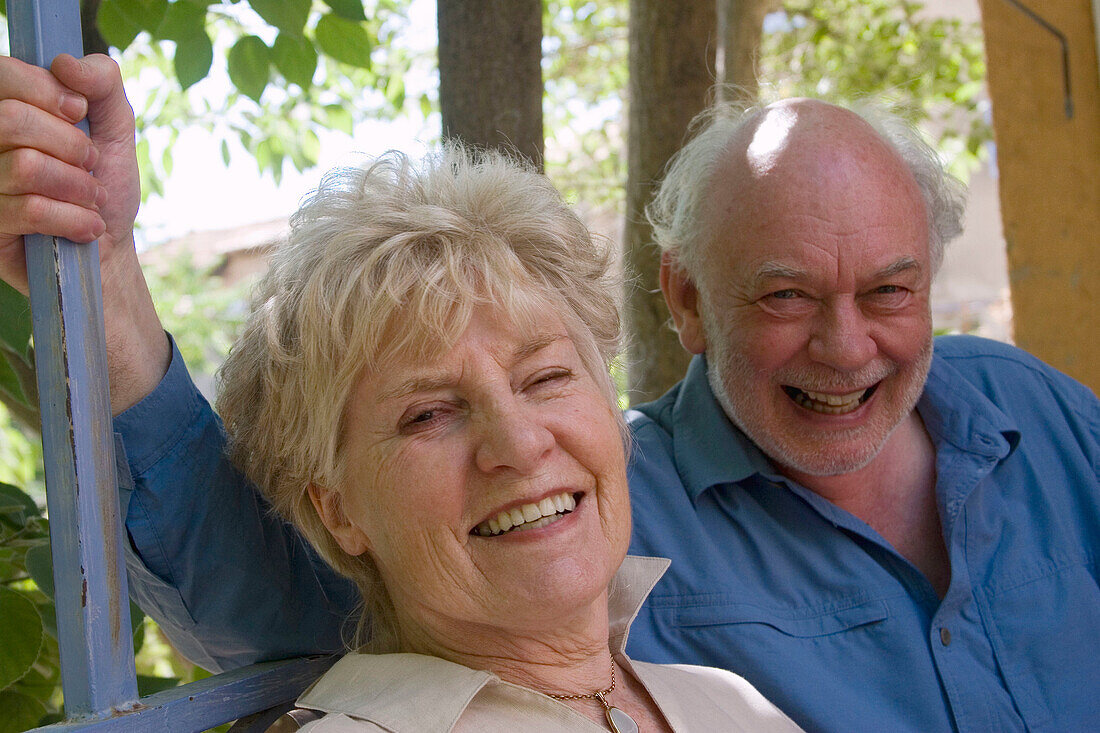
(511, 437)
(842, 338)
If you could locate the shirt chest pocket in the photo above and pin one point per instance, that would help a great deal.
(1045, 632)
(797, 623)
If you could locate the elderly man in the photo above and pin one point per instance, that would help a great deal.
(878, 531)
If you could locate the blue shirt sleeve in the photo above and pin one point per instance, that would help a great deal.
(229, 582)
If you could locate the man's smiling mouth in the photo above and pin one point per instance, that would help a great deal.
(829, 404)
(528, 516)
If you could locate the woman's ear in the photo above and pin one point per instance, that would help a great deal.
(682, 298)
(330, 508)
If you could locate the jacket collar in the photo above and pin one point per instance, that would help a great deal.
(363, 685)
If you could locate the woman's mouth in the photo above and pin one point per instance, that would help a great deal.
(528, 516)
(829, 404)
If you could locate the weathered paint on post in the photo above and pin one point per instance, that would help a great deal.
(202, 705)
(97, 653)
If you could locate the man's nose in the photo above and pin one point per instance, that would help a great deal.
(511, 437)
(842, 337)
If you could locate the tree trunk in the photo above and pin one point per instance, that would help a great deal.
(672, 46)
(490, 73)
(740, 25)
(93, 41)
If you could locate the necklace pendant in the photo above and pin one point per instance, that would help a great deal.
(619, 721)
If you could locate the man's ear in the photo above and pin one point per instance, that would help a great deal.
(330, 508)
(682, 298)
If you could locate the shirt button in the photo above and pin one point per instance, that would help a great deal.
(945, 637)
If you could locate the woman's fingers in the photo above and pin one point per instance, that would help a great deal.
(39, 88)
(98, 79)
(23, 125)
(28, 171)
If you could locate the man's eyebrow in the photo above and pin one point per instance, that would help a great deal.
(431, 382)
(776, 271)
(902, 265)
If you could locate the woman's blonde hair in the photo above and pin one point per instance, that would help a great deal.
(390, 260)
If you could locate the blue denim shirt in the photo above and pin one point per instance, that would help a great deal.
(820, 613)
(768, 580)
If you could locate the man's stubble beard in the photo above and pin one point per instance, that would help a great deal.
(727, 369)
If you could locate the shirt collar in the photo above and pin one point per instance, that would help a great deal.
(363, 685)
(709, 449)
(955, 411)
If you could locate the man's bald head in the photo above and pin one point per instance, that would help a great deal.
(748, 142)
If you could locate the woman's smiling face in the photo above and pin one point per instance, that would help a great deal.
(442, 459)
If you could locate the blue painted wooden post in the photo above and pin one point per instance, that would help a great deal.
(93, 613)
(97, 653)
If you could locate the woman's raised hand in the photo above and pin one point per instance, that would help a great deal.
(53, 178)
(56, 180)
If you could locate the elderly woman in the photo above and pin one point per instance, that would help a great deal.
(423, 389)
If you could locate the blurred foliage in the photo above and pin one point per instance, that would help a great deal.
(267, 74)
(203, 320)
(585, 72)
(930, 70)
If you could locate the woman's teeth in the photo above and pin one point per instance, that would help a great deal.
(528, 516)
(829, 404)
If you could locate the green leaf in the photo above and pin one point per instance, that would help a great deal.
(250, 66)
(15, 325)
(21, 712)
(182, 21)
(350, 9)
(288, 16)
(192, 60)
(395, 91)
(39, 564)
(20, 636)
(9, 382)
(425, 105)
(339, 118)
(295, 58)
(148, 685)
(11, 495)
(344, 40)
(225, 152)
(120, 21)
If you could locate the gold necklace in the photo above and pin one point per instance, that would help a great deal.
(617, 719)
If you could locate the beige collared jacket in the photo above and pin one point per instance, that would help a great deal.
(414, 693)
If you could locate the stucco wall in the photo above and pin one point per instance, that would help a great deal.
(1049, 166)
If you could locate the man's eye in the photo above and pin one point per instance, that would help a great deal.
(887, 289)
(788, 294)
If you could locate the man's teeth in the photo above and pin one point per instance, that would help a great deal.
(528, 516)
(829, 404)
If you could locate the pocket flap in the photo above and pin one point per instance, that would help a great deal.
(793, 622)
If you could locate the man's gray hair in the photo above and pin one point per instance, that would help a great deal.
(676, 212)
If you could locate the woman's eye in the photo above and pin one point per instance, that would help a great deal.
(420, 419)
(553, 376)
